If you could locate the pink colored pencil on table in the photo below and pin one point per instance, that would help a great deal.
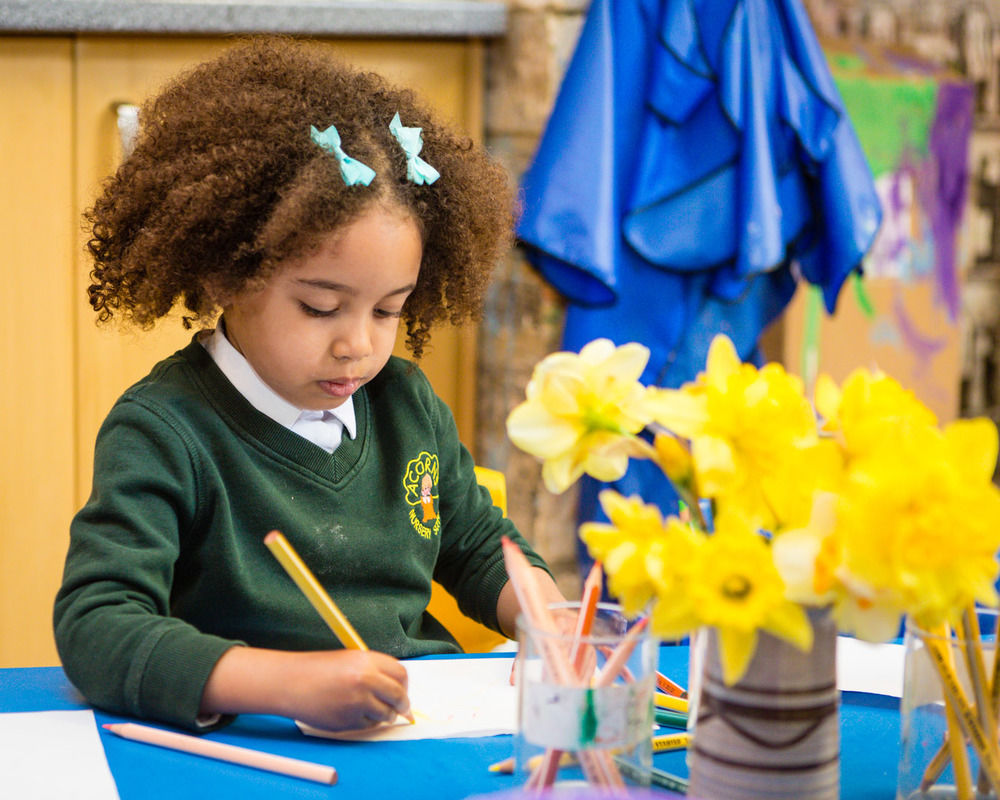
(224, 752)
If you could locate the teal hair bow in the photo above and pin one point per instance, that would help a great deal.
(417, 170)
(352, 170)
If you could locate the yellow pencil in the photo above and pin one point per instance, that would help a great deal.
(671, 741)
(314, 591)
(670, 702)
(316, 594)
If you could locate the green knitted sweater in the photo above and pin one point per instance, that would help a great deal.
(167, 568)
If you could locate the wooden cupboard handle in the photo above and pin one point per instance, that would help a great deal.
(128, 125)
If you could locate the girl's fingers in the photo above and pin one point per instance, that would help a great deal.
(392, 694)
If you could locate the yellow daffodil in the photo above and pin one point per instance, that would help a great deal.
(581, 413)
(640, 552)
(810, 562)
(753, 436)
(914, 528)
(674, 458)
(808, 557)
(869, 614)
(737, 589)
(870, 408)
(921, 519)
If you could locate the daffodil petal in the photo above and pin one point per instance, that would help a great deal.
(606, 466)
(627, 362)
(534, 430)
(714, 461)
(871, 621)
(795, 553)
(597, 351)
(973, 444)
(680, 411)
(736, 648)
(827, 395)
(560, 394)
(672, 618)
(722, 362)
(560, 473)
(790, 622)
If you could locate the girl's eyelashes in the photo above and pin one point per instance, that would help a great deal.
(316, 312)
(383, 313)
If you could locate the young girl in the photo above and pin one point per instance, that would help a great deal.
(296, 195)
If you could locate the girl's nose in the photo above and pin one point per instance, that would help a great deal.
(353, 342)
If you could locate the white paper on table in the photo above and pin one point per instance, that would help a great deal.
(871, 668)
(450, 698)
(53, 755)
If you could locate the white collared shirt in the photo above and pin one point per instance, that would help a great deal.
(322, 428)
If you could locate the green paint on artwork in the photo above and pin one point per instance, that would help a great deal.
(861, 294)
(588, 723)
(891, 115)
(810, 334)
(847, 62)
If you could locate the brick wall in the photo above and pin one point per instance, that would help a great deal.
(523, 320)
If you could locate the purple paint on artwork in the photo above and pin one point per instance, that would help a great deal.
(908, 62)
(949, 145)
(896, 195)
(897, 246)
(923, 347)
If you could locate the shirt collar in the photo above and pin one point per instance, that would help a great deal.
(261, 396)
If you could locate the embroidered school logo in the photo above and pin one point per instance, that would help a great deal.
(420, 482)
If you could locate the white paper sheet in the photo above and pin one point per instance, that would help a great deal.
(450, 698)
(53, 755)
(872, 668)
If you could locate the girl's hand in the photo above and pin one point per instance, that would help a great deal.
(346, 689)
(329, 689)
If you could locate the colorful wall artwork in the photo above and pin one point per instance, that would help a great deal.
(914, 123)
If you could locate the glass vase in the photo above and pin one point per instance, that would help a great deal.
(775, 733)
(930, 765)
(588, 723)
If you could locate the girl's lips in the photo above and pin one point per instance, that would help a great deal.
(341, 388)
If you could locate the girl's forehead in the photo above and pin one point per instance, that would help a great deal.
(378, 244)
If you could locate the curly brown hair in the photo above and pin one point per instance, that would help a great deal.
(225, 183)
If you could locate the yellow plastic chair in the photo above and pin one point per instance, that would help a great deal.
(473, 637)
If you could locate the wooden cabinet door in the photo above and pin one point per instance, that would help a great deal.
(36, 340)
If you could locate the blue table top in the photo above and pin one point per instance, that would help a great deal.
(435, 769)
